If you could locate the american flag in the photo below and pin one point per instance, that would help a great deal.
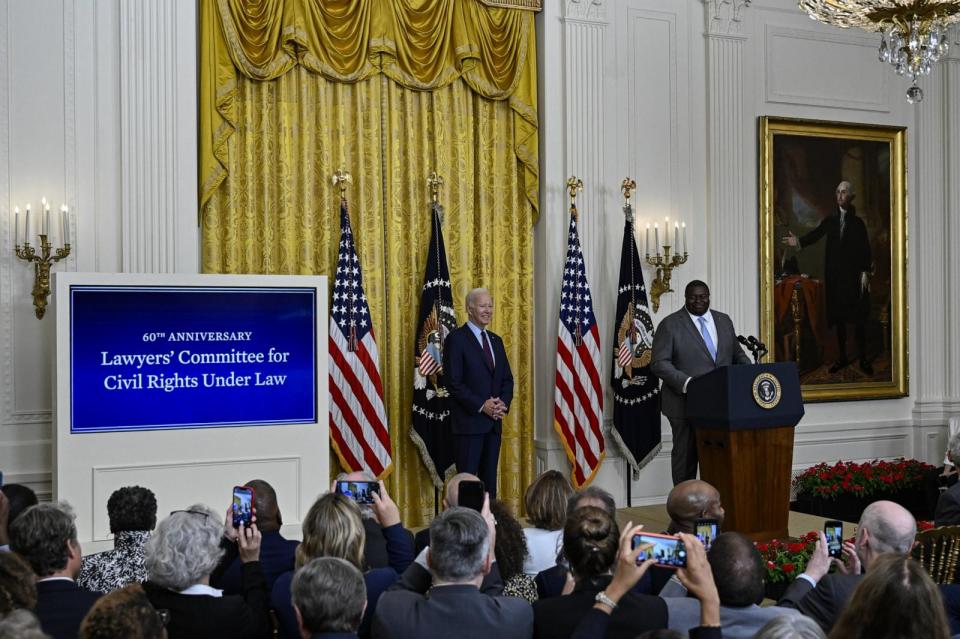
(358, 420)
(578, 407)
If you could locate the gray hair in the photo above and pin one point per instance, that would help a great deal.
(790, 627)
(459, 545)
(330, 594)
(472, 294)
(849, 186)
(892, 528)
(185, 548)
(40, 535)
(21, 624)
(953, 448)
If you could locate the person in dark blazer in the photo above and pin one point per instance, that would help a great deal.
(328, 596)
(846, 273)
(45, 535)
(480, 383)
(689, 343)
(885, 527)
(460, 555)
(947, 512)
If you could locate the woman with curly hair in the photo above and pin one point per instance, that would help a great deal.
(510, 549)
(17, 587)
(133, 514)
(123, 614)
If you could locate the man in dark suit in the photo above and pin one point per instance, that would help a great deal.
(460, 554)
(46, 536)
(948, 504)
(689, 343)
(884, 527)
(329, 597)
(480, 383)
(846, 273)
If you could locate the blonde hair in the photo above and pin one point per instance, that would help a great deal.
(332, 528)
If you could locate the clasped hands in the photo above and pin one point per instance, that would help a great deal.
(494, 408)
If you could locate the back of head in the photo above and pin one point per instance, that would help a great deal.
(592, 496)
(452, 493)
(891, 527)
(21, 624)
(896, 598)
(330, 594)
(40, 535)
(546, 500)
(591, 539)
(123, 614)
(132, 508)
(265, 504)
(332, 528)
(185, 548)
(20, 498)
(690, 500)
(738, 570)
(459, 545)
(790, 627)
(510, 546)
(17, 587)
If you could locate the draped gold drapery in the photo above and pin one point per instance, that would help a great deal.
(292, 90)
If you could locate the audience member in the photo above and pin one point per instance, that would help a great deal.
(739, 572)
(277, 554)
(133, 514)
(948, 505)
(546, 503)
(895, 599)
(591, 540)
(333, 528)
(691, 500)
(329, 597)
(884, 527)
(375, 544)
(790, 627)
(17, 587)
(46, 536)
(21, 624)
(459, 555)
(450, 499)
(510, 552)
(181, 558)
(14, 499)
(125, 613)
(696, 577)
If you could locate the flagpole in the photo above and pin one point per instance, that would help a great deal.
(575, 185)
(628, 186)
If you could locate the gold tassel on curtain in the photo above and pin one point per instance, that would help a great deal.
(390, 92)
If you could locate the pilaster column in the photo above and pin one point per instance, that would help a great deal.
(951, 137)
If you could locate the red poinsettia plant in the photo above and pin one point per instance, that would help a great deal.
(785, 560)
(877, 477)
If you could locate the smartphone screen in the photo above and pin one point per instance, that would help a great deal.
(359, 491)
(242, 506)
(706, 531)
(833, 530)
(470, 494)
(668, 551)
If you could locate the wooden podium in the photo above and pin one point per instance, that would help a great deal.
(744, 418)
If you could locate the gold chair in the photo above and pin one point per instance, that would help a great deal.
(938, 550)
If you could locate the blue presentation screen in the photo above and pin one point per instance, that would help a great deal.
(158, 357)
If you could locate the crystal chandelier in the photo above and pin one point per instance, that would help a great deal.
(914, 33)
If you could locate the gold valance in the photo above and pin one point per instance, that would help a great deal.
(420, 44)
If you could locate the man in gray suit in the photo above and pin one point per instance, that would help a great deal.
(689, 343)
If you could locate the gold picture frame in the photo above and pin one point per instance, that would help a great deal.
(833, 232)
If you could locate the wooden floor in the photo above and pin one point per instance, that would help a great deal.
(655, 519)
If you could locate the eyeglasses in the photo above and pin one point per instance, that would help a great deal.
(191, 512)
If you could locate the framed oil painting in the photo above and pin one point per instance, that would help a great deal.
(833, 255)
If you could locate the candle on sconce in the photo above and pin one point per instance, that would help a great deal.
(666, 231)
(46, 221)
(65, 224)
(646, 240)
(676, 237)
(656, 238)
(684, 226)
(16, 226)
(27, 231)
(43, 221)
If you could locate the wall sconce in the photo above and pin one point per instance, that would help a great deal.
(664, 262)
(47, 256)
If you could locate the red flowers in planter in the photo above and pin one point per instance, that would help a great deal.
(785, 560)
(862, 480)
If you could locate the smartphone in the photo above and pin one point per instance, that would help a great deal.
(668, 550)
(833, 530)
(470, 494)
(706, 531)
(359, 491)
(242, 506)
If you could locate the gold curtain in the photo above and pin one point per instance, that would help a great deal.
(304, 101)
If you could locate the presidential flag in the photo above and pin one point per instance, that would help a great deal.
(578, 409)
(636, 399)
(431, 418)
(358, 420)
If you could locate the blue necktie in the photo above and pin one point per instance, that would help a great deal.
(707, 339)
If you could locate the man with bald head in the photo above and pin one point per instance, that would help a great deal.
(480, 383)
(885, 527)
(692, 500)
(450, 500)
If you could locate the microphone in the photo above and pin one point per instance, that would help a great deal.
(743, 340)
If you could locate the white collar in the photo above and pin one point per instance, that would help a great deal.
(708, 316)
(55, 579)
(476, 330)
(202, 589)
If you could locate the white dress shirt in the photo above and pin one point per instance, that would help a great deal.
(711, 329)
(477, 331)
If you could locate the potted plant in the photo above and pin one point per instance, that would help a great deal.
(784, 560)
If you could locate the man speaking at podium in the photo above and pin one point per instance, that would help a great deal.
(689, 343)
